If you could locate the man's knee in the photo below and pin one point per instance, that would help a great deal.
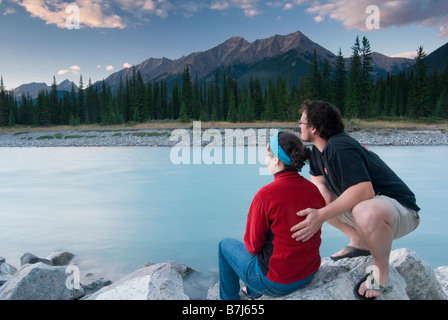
(370, 214)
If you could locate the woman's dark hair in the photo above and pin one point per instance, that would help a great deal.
(323, 116)
(295, 149)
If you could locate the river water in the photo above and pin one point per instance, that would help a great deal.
(117, 208)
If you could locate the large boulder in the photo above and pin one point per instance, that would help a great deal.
(420, 278)
(38, 281)
(162, 281)
(442, 276)
(410, 278)
(7, 271)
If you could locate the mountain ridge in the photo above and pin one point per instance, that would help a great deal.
(34, 88)
(268, 58)
(295, 47)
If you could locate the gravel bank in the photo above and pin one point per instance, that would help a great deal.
(166, 138)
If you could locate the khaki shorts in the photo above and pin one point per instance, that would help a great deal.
(405, 220)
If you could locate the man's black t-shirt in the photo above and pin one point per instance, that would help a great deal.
(344, 162)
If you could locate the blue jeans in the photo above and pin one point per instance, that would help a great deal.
(235, 263)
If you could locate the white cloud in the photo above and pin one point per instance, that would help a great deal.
(9, 11)
(220, 6)
(110, 68)
(92, 13)
(249, 7)
(126, 65)
(73, 70)
(409, 55)
(430, 13)
(288, 6)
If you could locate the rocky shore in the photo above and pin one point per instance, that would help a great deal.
(57, 278)
(169, 138)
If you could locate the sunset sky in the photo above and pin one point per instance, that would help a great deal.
(37, 45)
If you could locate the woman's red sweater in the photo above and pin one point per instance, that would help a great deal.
(272, 213)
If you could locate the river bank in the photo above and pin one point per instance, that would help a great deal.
(167, 135)
(57, 278)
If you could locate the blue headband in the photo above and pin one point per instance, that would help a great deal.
(278, 151)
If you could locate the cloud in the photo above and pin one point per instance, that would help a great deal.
(430, 13)
(126, 65)
(110, 68)
(249, 7)
(92, 13)
(9, 11)
(73, 70)
(409, 55)
(220, 6)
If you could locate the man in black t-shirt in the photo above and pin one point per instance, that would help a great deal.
(365, 199)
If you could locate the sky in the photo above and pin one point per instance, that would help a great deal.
(42, 39)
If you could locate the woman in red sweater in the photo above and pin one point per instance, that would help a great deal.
(270, 262)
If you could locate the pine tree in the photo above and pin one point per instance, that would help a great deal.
(442, 104)
(434, 91)
(3, 105)
(54, 103)
(232, 115)
(81, 111)
(187, 94)
(367, 68)
(271, 101)
(314, 79)
(175, 101)
(257, 97)
(353, 103)
(419, 92)
(326, 82)
(43, 109)
(339, 82)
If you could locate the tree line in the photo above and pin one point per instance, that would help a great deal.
(414, 93)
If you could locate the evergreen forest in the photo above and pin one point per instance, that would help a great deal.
(412, 94)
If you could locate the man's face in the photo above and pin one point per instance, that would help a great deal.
(305, 128)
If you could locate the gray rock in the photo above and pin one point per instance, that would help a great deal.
(410, 278)
(442, 276)
(7, 271)
(60, 258)
(420, 278)
(31, 259)
(38, 281)
(162, 281)
(96, 285)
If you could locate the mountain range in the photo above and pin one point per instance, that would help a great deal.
(34, 88)
(264, 59)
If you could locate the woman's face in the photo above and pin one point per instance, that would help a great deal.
(271, 161)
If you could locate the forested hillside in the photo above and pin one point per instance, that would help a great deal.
(414, 93)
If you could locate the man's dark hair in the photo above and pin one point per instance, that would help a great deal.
(323, 116)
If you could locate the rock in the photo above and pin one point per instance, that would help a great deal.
(31, 258)
(442, 276)
(7, 271)
(60, 258)
(410, 278)
(38, 281)
(421, 280)
(96, 285)
(162, 281)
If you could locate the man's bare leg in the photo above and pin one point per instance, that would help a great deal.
(374, 220)
(351, 233)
